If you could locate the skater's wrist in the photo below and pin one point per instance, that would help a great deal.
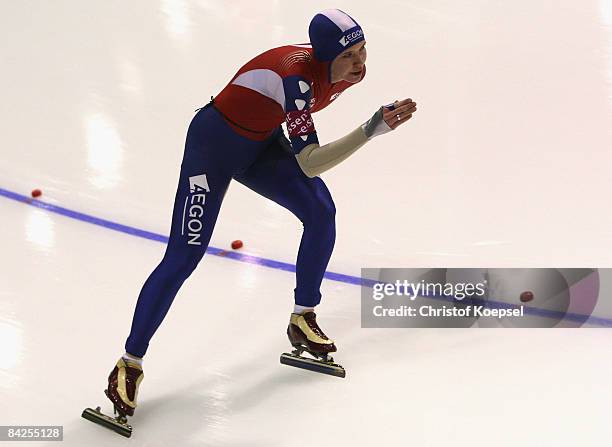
(376, 125)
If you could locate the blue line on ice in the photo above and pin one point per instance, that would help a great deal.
(271, 263)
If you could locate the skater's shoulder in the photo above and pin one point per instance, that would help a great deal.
(288, 60)
(300, 52)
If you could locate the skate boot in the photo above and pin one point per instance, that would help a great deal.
(123, 383)
(305, 335)
(122, 391)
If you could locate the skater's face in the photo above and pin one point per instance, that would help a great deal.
(348, 65)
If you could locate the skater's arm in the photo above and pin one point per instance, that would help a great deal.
(300, 125)
(315, 159)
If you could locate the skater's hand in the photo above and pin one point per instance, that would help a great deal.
(388, 118)
(400, 113)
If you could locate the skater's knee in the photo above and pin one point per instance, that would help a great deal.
(190, 264)
(321, 210)
(181, 263)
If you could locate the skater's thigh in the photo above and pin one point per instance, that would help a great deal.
(277, 176)
(204, 177)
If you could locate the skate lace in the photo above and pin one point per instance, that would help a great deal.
(312, 324)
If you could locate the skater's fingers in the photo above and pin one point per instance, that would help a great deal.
(401, 108)
(399, 113)
(394, 120)
(397, 103)
(395, 124)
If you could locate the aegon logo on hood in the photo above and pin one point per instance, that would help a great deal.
(351, 37)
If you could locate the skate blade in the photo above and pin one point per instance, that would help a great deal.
(99, 418)
(333, 369)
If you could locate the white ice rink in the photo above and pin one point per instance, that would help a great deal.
(505, 164)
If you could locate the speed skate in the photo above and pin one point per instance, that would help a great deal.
(322, 363)
(122, 391)
(118, 423)
(306, 336)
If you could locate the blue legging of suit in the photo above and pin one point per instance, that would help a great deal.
(214, 155)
